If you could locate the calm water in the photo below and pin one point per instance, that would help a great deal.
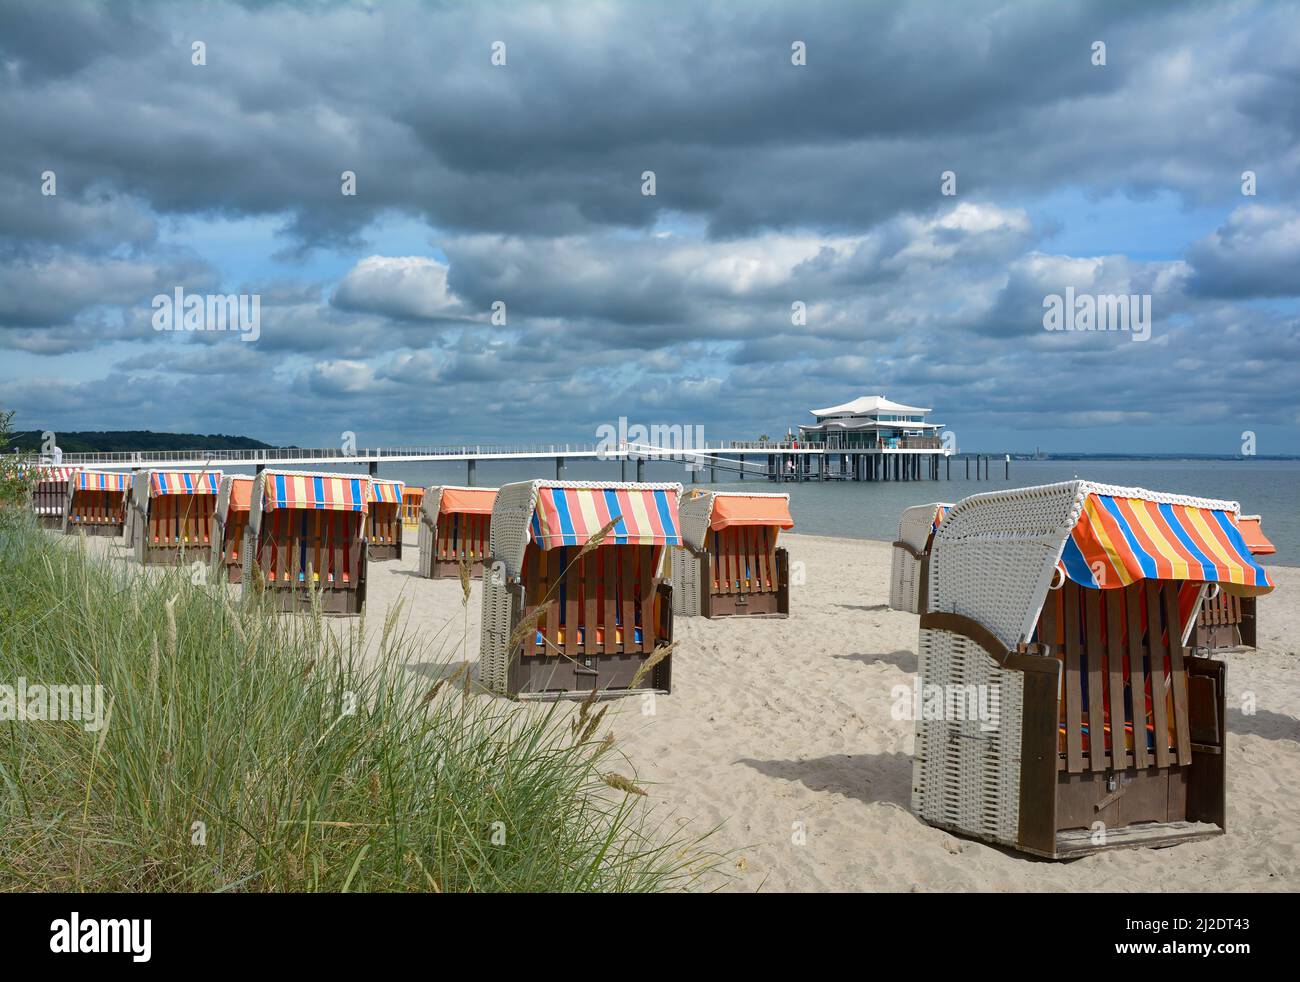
(870, 510)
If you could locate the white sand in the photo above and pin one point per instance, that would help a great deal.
(781, 732)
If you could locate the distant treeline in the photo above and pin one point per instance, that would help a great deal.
(127, 441)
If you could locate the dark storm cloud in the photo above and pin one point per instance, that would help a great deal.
(556, 140)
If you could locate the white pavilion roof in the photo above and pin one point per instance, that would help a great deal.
(868, 406)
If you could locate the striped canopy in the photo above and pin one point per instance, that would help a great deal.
(184, 482)
(102, 481)
(43, 472)
(389, 491)
(939, 512)
(571, 516)
(1118, 540)
(325, 492)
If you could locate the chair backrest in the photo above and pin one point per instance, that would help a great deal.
(742, 559)
(1124, 672)
(296, 545)
(605, 602)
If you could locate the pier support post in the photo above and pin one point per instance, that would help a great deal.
(1008, 463)
(948, 463)
(742, 467)
(559, 468)
(373, 467)
(640, 470)
(713, 473)
(469, 471)
(622, 469)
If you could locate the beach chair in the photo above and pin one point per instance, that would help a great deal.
(412, 498)
(729, 563)
(229, 522)
(307, 534)
(49, 493)
(601, 614)
(96, 503)
(911, 555)
(455, 525)
(1060, 711)
(1227, 621)
(173, 516)
(384, 520)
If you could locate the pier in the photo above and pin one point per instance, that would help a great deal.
(738, 460)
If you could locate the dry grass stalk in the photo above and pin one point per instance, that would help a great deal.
(462, 569)
(647, 666)
(621, 783)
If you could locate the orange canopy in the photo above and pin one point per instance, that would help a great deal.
(466, 501)
(241, 493)
(1256, 541)
(747, 509)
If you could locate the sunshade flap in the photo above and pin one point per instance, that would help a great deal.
(746, 509)
(1118, 540)
(467, 501)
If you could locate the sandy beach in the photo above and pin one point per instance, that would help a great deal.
(781, 733)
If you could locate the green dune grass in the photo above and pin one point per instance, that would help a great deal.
(251, 751)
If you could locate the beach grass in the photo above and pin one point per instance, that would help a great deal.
(251, 751)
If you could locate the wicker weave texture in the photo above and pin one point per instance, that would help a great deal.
(427, 530)
(914, 528)
(688, 570)
(501, 600)
(219, 515)
(694, 512)
(966, 772)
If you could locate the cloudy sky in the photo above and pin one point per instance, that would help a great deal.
(775, 185)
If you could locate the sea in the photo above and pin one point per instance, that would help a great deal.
(870, 510)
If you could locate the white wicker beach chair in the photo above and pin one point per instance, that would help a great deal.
(1062, 667)
(306, 536)
(50, 493)
(384, 520)
(910, 554)
(228, 525)
(760, 582)
(446, 540)
(616, 612)
(95, 503)
(173, 515)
